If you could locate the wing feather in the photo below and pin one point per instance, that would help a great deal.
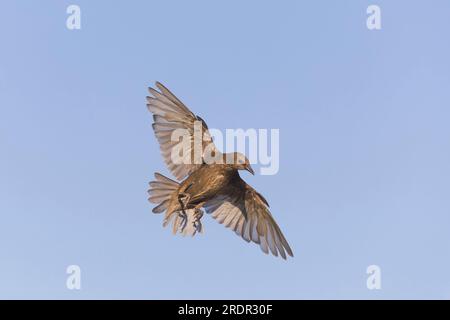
(246, 212)
(170, 114)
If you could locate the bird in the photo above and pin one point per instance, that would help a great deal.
(207, 179)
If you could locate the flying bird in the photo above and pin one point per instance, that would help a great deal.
(213, 186)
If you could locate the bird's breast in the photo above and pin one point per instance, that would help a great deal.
(208, 181)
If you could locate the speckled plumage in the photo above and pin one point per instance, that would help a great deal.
(215, 187)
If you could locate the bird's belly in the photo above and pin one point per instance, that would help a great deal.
(206, 185)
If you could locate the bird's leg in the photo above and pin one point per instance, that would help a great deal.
(198, 214)
(183, 200)
(197, 223)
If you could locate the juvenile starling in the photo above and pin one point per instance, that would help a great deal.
(214, 186)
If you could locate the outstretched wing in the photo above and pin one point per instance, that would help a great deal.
(170, 114)
(242, 209)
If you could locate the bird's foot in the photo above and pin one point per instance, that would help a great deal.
(184, 220)
(198, 214)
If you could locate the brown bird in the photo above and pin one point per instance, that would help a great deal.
(214, 185)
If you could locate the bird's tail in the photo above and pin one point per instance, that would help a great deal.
(161, 192)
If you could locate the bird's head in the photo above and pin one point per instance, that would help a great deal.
(240, 162)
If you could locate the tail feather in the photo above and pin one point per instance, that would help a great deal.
(160, 192)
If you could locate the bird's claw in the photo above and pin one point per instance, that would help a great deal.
(184, 220)
(197, 226)
(197, 223)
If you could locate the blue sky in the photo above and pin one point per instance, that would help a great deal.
(364, 146)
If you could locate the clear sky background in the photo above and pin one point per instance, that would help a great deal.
(364, 146)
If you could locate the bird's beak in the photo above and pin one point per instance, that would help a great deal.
(250, 169)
